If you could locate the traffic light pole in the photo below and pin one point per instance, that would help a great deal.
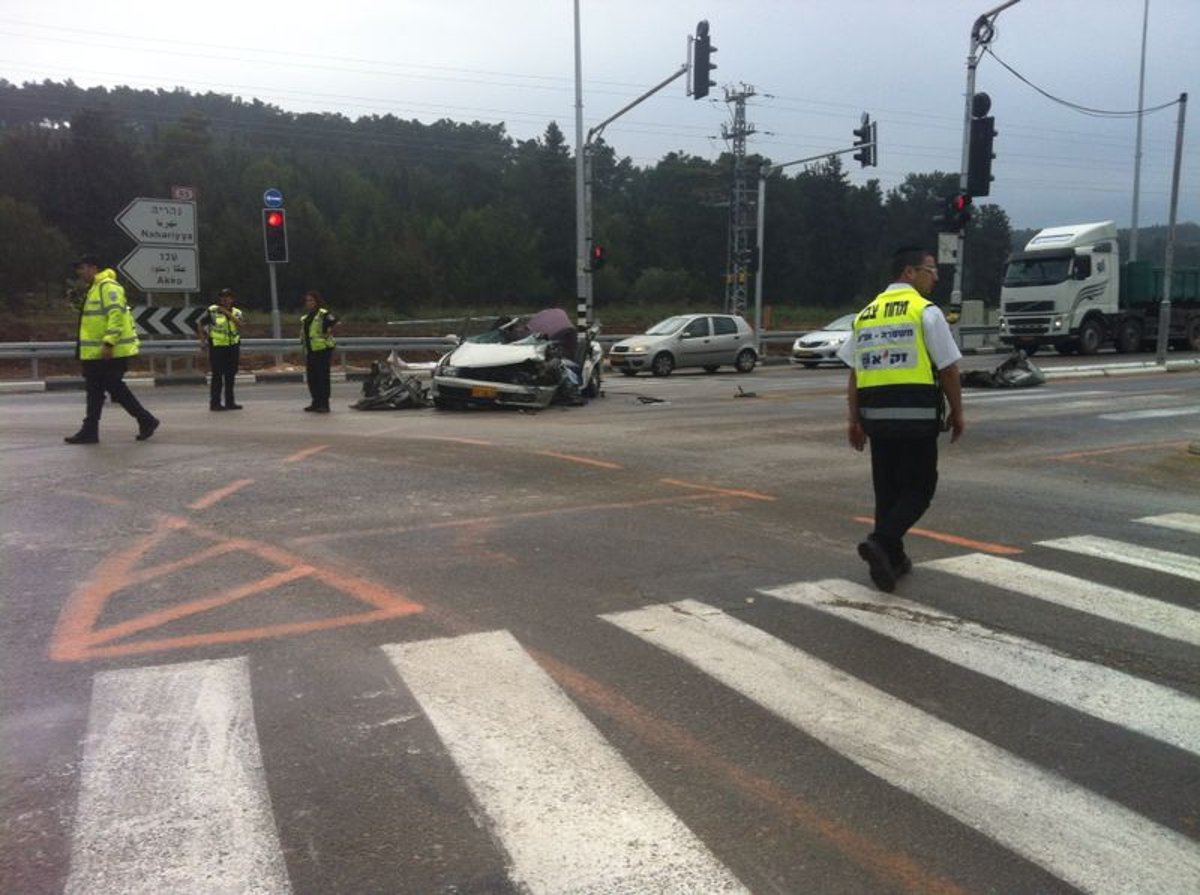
(982, 33)
(586, 310)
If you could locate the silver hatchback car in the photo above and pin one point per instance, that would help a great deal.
(688, 340)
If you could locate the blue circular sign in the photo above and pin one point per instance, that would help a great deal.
(272, 198)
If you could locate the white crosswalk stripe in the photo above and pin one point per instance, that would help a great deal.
(1156, 616)
(173, 797)
(1110, 695)
(1080, 837)
(570, 812)
(1188, 522)
(1131, 554)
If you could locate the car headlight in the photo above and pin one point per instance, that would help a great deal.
(448, 371)
(638, 349)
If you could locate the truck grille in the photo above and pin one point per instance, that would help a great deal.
(1029, 326)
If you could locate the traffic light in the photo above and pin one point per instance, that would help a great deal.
(980, 155)
(702, 50)
(960, 208)
(598, 256)
(865, 138)
(275, 235)
(955, 214)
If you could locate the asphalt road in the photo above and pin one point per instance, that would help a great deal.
(626, 647)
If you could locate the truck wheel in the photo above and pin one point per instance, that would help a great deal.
(1091, 334)
(1129, 337)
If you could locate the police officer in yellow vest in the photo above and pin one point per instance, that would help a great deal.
(220, 328)
(107, 340)
(903, 360)
(316, 337)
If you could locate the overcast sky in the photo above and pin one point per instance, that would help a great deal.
(815, 65)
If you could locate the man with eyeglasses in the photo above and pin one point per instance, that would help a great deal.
(903, 360)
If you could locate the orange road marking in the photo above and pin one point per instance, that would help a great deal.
(220, 494)
(509, 517)
(603, 464)
(981, 546)
(78, 637)
(475, 441)
(305, 454)
(894, 869)
(106, 499)
(1076, 455)
(751, 495)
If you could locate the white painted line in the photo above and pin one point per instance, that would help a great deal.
(1188, 522)
(1179, 564)
(1090, 842)
(173, 796)
(1122, 606)
(1107, 694)
(1002, 396)
(573, 816)
(1160, 413)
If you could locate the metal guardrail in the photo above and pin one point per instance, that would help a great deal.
(185, 348)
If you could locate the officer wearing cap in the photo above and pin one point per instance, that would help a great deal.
(220, 328)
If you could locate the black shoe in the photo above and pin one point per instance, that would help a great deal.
(233, 406)
(311, 408)
(146, 429)
(215, 407)
(882, 572)
(82, 438)
(322, 409)
(903, 567)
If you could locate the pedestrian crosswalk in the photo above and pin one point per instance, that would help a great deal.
(174, 793)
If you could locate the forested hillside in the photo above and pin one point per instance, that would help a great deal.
(404, 216)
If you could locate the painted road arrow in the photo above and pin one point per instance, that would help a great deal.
(162, 269)
(159, 222)
(166, 321)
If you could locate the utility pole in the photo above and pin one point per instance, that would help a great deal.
(741, 261)
(1164, 307)
(1137, 153)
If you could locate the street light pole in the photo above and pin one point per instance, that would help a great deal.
(582, 278)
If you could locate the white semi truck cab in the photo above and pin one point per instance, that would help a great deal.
(1063, 290)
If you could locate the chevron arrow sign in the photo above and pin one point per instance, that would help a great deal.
(166, 321)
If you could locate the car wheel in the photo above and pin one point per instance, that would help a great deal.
(663, 364)
(746, 360)
(711, 368)
(809, 364)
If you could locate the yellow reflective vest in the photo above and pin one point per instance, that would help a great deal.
(316, 339)
(223, 329)
(105, 318)
(898, 392)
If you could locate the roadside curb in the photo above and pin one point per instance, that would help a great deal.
(1132, 368)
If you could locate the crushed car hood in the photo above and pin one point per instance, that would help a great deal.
(472, 354)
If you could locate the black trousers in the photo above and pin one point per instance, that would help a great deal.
(107, 375)
(223, 367)
(316, 374)
(905, 475)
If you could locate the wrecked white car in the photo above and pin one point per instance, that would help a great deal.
(528, 362)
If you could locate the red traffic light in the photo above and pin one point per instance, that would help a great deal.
(598, 257)
(274, 218)
(961, 202)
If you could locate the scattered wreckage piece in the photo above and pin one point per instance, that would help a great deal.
(1017, 371)
(529, 362)
(390, 386)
